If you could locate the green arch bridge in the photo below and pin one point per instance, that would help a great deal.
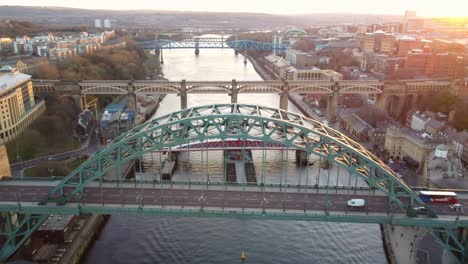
(89, 189)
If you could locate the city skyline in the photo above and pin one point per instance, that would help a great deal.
(450, 8)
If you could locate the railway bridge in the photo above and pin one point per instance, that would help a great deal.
(388, 96)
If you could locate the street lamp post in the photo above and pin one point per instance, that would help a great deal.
(202, 201)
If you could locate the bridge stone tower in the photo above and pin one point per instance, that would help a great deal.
(234, 92)
(197, 46)
(284, 97)
(133, 102)
(332, 102)
(183, 95)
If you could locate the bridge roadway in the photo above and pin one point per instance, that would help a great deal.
(215, 196)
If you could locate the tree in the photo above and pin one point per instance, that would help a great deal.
(25, 146)
(304, 44)
(47, 71)
(443, 101)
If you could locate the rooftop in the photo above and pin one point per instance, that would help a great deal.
(10, 78)
(355, 122)
(436, 124)
(56, 222)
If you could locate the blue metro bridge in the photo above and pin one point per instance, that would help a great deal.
(212, 43)
(99, 186)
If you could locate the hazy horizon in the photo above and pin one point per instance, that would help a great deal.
(450, 8)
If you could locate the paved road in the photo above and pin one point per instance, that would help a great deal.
(215, 198)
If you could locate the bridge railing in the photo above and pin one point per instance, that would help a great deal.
(218, 183)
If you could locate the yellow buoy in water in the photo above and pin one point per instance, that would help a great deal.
(243, 256)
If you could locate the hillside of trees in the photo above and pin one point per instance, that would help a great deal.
(53, 131)
(14, 28)
(445, 102)
(111, 64)
(50, 133)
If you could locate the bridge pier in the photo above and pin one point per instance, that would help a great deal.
(83, 102)
(183, 95)
(245, 56)
(133, 102)
(332, 104)
(234, 92)
(380, 102)
(284, 97)
(197, 47)
(301, 157)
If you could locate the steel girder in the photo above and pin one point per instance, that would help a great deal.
(241, 122)
(15, 229)
(442, 230)
(212, 43)
(449, 240)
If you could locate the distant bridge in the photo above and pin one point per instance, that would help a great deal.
(211, 43)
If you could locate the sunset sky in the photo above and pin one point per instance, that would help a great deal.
(425, 8)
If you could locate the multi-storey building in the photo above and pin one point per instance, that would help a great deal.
(6, 45)
(367, 43)
(406, 44)
(409, 14)
(419, 121)
(404, 142)
(300, 58)
(442, 46)
(30, 65)
(354, 126)
(18, 108)
(387, 66)
(379, 42)
(384, 43)
(107, 23)
(308, 74)
(416, 61)
(444, 65)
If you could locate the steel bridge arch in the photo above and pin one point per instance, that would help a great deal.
(311, 89)
(103, 89)
(295, 31)
(242, 122)
(255, 87)
(158, 89)
(364, 88)
(209, 87)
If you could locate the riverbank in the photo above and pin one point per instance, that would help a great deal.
(84, 240)
(387, 243)
(260, 69)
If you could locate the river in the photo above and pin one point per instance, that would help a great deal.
(134, 239)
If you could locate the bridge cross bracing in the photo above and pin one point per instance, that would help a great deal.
(212, 43)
